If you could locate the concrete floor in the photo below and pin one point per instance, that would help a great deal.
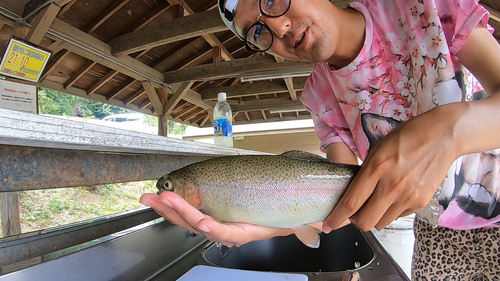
(398, 240)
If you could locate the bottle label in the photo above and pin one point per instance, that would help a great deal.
(223, 127)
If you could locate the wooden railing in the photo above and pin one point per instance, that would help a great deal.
(40, 152)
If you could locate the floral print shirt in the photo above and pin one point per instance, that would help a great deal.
(407, 66)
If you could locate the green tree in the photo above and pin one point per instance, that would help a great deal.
(57, 103)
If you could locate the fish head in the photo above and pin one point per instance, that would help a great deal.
(182, 187)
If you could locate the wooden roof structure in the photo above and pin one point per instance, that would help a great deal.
(161, 57)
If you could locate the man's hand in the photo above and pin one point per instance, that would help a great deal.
(401, 174)
(175, 209)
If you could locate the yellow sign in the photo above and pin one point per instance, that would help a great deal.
(24, 61)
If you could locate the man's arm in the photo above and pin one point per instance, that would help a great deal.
(339, 152)
(402, 173)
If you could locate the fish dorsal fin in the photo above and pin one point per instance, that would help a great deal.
(303, 155)
(308, 235)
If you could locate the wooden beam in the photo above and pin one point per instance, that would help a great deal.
(291, 90)
(195, 58)
(268, 104)
(108, 76)
(163, 7)
(214, 42)
(135, 96)
(111, 10)
(178, 95)
(41, 24)
(250, 89)
(65, 7)
(210, 38)
(153, 97)
(163, 119)
(162, 62)
(216, 56)
(93, 49)
(122, 88)
(237, 68)
(35, 5)
(193, 97)
(288, 82)
(78, 74)
(186, 112)
(181, 28)
(54, 62)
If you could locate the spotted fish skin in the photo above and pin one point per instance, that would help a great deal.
(286, 191)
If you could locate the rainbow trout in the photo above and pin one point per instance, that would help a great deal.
(286, 191)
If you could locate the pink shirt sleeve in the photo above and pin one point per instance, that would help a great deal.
(316, 93)
(325, 133)
(466, 15)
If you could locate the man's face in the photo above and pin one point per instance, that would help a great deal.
(306, 32)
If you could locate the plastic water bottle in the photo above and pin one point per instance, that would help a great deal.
(223, 122)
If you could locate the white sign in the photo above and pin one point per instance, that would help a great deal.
(17, 96)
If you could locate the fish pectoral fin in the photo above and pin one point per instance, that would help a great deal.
(308, 235)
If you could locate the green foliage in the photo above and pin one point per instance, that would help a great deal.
(176, 128)
(53, 207)
(57, 103)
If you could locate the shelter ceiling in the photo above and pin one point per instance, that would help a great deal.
(161, 57)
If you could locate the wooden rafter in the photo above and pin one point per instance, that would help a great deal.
(54, 62)
(162, 62)
(180, 29)
(122, 88)
(250, 89)
(162, 8)
(237, 68)
(187, 112)
(268, 104)
(288, 81)
(110, 11)
(133, 97)
(188, 62)
(89, 47)
(176, 97)
(103, 80)
(66, 7)
(41, 24)
(79, 73)
(210, 38)
(153, 97)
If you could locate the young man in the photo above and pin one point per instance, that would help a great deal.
(390, 87)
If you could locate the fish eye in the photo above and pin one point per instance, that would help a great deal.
(168, 185)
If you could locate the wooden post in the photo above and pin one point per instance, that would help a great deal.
(11, 221)
(163, 118)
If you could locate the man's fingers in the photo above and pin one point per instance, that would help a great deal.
(183, 209)
(378, 207)
(360, 189)
(154, 201)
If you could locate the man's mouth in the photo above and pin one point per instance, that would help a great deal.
(297, 43)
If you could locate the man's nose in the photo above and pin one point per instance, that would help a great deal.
(279, 25)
